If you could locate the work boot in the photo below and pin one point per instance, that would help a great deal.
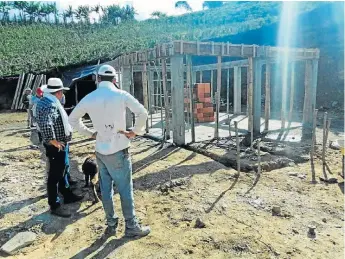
(73, 198)
(111, 230)
(60, 212)
(137, 231)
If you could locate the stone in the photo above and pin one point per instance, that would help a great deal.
(334, 104)
(311, 231)
(276, 210)
(292, 174)
(19, 241)
(199, 223)
(301, 176)
(324, 220)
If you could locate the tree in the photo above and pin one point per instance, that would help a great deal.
(21, 6)
(85, 12)
(212, 4)
(128, 13)
(112, 14)
(70, 13)
(4, 8)
(183, 5)
(33, 9)
(79, 13)
(158, 15)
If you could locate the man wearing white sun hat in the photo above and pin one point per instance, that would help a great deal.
(56, 133)
(106, 107)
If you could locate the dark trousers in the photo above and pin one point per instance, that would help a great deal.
(56, 175)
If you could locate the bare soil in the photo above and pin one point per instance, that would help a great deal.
(173, 188)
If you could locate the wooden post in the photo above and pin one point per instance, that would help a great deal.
(160, 100)
(292, 90)
(238, 151)
(145, 93)
(219, 86)
(250, 77)
(228, 91)
(257, 97)
(259, 157)
(166, 99)
(313, 146)
(325, 135)
(126, 86)
(191, 99)
(267, 95)
(237, 90)
(200, 76)
(76, 92)
(177, 71)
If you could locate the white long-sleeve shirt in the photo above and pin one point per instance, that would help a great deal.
(106, 107)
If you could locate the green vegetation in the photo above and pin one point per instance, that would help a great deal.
(39, 46)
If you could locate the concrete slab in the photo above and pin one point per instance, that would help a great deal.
(19, 241)
(205, 131)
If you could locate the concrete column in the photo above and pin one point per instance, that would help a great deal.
(315, 66)
(237, 90)
(267, 95)
(126, 86)
(307, 107)
(177, 95)
(257, 65)
(227, 91)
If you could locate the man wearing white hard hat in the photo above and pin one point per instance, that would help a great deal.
(56, 133)
(106, 107)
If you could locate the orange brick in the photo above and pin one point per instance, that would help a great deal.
(207, 88)
(200, 115)
(207, 100)
(207, 110)
(199, 105)
(202, 99)
(201, 120)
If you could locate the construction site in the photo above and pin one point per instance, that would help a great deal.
(238, 160)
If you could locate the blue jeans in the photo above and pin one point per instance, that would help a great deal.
(118, 168)
(67, 172)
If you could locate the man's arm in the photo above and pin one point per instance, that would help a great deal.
(75, 119)
(140, 114)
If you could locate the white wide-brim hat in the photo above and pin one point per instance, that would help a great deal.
(54, 85)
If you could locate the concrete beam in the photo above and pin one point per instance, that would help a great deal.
(230, 64)
(177, 70)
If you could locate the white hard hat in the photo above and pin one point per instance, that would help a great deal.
(106, 70)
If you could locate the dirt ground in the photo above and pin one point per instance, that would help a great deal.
(237, 216)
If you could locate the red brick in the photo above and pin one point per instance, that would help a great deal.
(207, 110)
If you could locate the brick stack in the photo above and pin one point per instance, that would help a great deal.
(203, 107)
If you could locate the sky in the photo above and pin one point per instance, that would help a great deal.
(144, 8)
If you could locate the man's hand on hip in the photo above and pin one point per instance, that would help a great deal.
(60, 146)
(128, 134)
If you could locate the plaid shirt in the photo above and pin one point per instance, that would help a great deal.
(50, 122)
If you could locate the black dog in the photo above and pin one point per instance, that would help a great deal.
(90, 171)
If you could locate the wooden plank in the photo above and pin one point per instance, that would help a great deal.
(19, 84)
(166, 99)
(312, 150)
(177, 70)
(200, 76)
(238, 150)
(219, 86)
(267, 96)
(27, 85)
(145, 92)
(20, 91)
